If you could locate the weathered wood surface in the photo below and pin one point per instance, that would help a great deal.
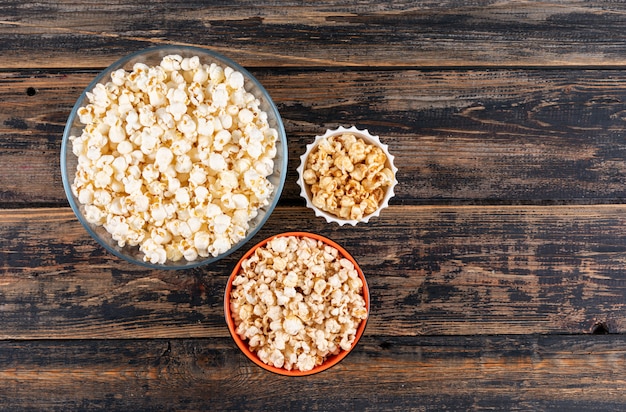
(458, 136)
(431, 271)
(533, 372)
(497, 276)
(323, 33)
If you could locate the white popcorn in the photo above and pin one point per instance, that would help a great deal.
(190, 254)
(140, 202)
(164, 157)
(125, 147)
(235, 80)
(95, 215)
(118, 77)
(165, 119)
(278, 302)
(240, 201)
(132, 184)
(177, 110)
(120, 164)
(217, 162)
(149, 173)
(221, 223)
(202, 243)
(190, 63)
(197, 176)
(221, 139)
(171, 62)
(86, 195)
(116, 134)
(186, 124)
(220, 245)
(183, 164)
(205, 126)
(264, 166)
(147, 116)
(160, 144)
(228, 180)
(182, 196)
(278, 244)
(160, 235)
(305, 362)
(154, 252)
(245, 116)
(291, 280)
(220, 96)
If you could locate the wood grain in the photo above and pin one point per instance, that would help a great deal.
(323, 34)
(497, 136)
(497, 276)
(397, 374)
(431, 270)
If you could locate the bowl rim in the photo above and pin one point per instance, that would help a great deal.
(165, 50)
(331, 360)
(369, 138)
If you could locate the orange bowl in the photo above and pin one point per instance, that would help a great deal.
(243, 345)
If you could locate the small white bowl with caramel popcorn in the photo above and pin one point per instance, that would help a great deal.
(347, 176)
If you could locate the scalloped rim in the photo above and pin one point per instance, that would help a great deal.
(369, 138)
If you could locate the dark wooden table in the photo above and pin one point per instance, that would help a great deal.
(497, 276)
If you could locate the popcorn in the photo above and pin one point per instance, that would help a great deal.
(295, 301)
(347, 176)
(158, 153)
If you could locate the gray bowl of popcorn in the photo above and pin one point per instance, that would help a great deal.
(173, 157)
(347, 176)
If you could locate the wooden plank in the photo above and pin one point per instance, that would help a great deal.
(431, 271)
(323, 34)
(497, 136)
(399, 374)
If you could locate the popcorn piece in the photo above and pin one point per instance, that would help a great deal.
(347, 176)
(292, 325)
(279, 295)
(157, 156)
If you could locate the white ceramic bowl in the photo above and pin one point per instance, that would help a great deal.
(305, 189)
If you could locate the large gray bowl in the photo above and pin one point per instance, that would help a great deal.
(152, 57)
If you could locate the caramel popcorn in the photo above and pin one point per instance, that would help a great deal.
(348, 177)
(174, 158)
(297, 301)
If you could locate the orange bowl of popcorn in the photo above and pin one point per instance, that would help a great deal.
(173, 157)
(347, 176)
(296, 303)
